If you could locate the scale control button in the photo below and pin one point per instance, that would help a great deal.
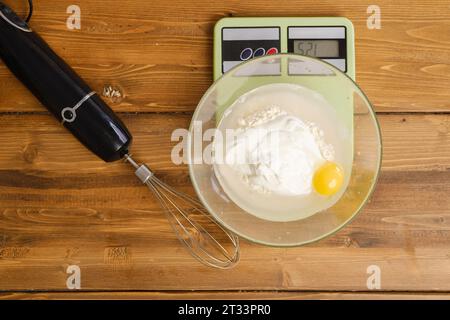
(259, 52)
(246, 54)
(272, 50)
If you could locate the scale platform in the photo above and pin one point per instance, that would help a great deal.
(330, 39)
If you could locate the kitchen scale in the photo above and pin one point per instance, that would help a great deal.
(317, 55)
(240, 39)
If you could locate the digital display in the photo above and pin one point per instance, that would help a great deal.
(317, 48)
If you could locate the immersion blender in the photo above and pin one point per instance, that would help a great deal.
(96, 126)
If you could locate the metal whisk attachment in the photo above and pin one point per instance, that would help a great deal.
(204, 238)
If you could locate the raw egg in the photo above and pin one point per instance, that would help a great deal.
(328, 179)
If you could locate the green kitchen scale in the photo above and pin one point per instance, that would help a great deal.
(315, 56)
(254, 52)
(240, 39)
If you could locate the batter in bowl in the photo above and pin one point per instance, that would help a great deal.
(283, 157)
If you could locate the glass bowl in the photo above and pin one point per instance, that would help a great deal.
(336, 87)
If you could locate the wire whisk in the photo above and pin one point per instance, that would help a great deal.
(190, 220)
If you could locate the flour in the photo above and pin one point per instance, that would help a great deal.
(277, 152)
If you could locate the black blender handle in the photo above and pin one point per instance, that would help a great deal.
(60, 89)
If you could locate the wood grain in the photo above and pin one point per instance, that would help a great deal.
(62, 206)
(227, 295)
(37, 142)
(161, 60)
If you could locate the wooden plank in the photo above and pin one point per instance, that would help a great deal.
(223, 295)
(161, 61)
(60, 206)
(38, 142)
(170, 268)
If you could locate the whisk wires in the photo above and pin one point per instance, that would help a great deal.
(189, 220)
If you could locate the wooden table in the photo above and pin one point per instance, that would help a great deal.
(62, 206)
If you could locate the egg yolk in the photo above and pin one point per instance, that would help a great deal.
(328, 179)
